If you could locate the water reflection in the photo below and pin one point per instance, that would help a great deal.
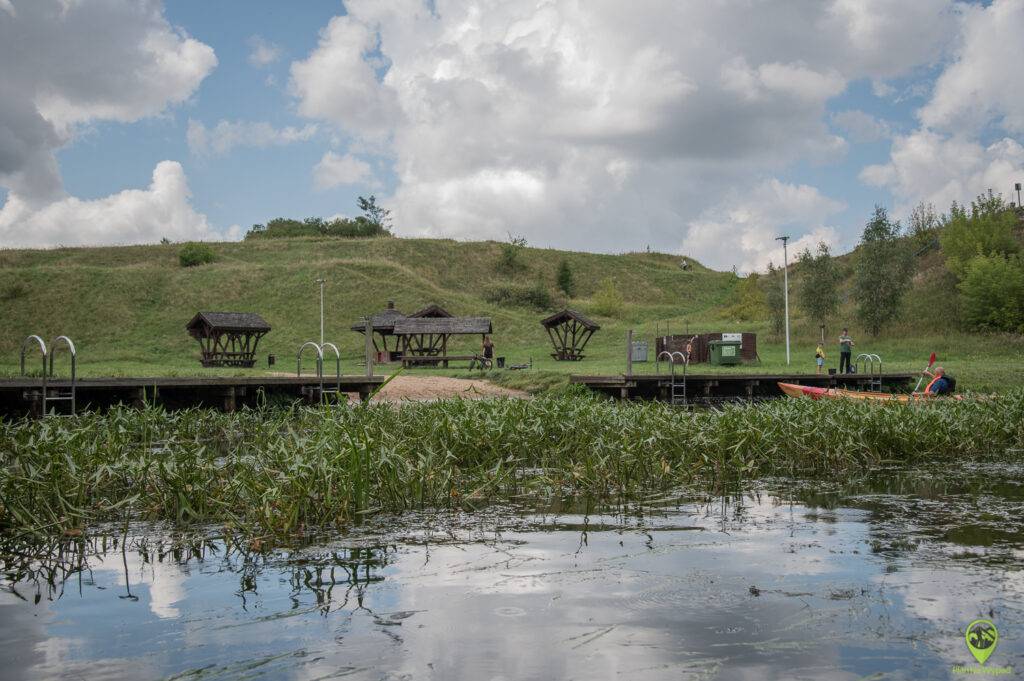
(784, 579)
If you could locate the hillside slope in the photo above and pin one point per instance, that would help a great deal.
(127, 307)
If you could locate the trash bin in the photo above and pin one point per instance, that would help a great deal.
(501, 362)
(724, 353)
(270, 360)
(640, 349)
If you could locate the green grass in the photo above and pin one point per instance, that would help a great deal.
(285, 471)
(126, 307)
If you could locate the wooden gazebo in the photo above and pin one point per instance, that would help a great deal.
(382, 331)
(228, 339)
(424, 340)
(569, 332)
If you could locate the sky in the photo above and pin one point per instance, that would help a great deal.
(700, 128)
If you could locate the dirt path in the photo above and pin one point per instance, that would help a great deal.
(425, 388)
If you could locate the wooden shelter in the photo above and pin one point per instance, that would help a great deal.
(424, 340)
(228, 339)
(569, 332)
(383, 332)
(432, 311)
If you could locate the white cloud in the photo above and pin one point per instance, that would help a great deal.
(130, 216)
(262, 52)
(980, 86)
(952, 156)
(334, 171)
(227, 135)
(66, 65)
(608, 124)
(862, 127)
(938, 169)
(742, 229)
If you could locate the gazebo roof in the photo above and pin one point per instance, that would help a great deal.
(410, 326)
(380, 321)
(229, 321)
(568, 315)
(431, 311)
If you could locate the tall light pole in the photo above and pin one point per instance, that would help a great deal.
(321, 282)
(785, 287)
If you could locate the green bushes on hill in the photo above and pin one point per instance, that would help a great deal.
(193, 254)
(534, 296)
(348, 228)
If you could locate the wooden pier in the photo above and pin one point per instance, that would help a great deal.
(23, 396)
(729, 387)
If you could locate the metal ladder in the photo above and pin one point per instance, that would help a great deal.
(673, 390)
(336, 390)
(870, 364)
(47, 394)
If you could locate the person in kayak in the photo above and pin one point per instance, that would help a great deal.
(941, 384)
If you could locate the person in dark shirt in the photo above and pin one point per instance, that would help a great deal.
(845, 350)
(940, 383)
(488, 351)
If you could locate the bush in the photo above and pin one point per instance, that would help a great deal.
(192, 254)
(13, 292)
(992, 291)
(607, 301)
(510, 260)
(345, 228)
(566, 282)
(536, 296)
(987, 230)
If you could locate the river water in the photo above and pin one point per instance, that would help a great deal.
(871, 578)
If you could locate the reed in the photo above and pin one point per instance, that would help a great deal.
(283, 471)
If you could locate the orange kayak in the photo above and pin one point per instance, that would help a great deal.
(815, 393)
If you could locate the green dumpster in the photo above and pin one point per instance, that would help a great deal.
(724, 353)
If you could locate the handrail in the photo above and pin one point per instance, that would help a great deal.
(684, 359)
(319, 362)
(54, 344)
(24, 349)
(337, 360)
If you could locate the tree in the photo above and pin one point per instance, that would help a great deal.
(510, 260)
(748, 300)
(883, 271)
(193, 254)
(818, 284)
(564, 279)
(374, 214)
(992, 291)
(986, 230)
(924, 226)
(774, 299)
(607, 299)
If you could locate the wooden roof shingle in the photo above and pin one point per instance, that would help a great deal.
(410, 326)
(567, 315)
(229, 321)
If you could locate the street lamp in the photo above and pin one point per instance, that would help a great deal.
(1017, 187)
(321, 282)
(785, 287)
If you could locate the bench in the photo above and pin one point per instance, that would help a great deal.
(435, 360)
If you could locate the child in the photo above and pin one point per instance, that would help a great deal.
(819, 357)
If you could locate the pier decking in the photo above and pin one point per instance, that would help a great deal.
(21, 396)
(724, 387)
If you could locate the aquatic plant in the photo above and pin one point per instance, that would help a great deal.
(281, 471)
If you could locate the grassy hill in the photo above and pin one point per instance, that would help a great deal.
(126, 307)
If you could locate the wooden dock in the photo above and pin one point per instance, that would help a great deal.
(728, 387)
(23, 396)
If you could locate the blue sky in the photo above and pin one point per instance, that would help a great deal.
(581, 125)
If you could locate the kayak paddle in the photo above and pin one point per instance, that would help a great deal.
(931, 361)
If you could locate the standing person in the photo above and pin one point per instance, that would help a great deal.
(819, 357)
(488, 351)
(845, 349)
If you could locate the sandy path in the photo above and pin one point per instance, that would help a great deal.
(423, 388)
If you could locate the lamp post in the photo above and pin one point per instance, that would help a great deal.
(321, 282)
(1017, 187)
(785, 287)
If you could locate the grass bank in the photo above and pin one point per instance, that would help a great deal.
(284, 471)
